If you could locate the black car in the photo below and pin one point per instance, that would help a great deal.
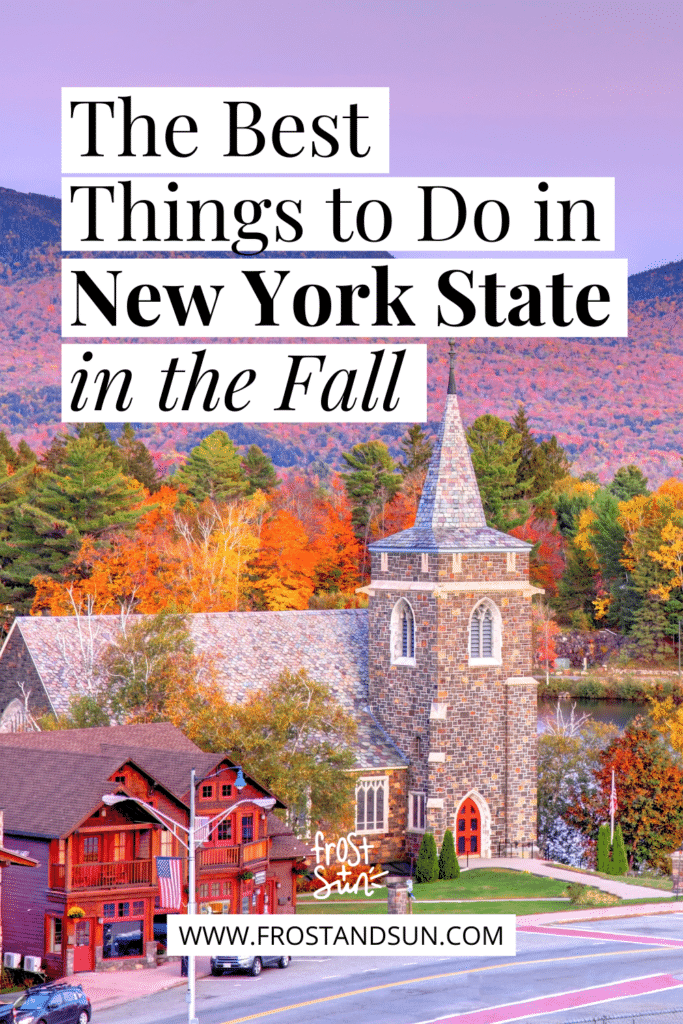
(57, 1003)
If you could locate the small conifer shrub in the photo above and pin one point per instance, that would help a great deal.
(427, 865)
(448, 862)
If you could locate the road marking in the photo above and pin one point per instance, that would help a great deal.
(525, 1008)
(647, 940)
(429, 977)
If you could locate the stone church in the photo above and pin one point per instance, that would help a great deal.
(436, 671)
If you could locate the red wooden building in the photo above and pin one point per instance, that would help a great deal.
(94, 897)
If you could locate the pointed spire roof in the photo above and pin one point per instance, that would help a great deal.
(450, 516)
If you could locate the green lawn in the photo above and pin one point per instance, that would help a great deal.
(477, 907)
(663, 882)
(476, 884)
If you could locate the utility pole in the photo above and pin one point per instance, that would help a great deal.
(191, 903)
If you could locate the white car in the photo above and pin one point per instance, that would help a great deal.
(252, 964)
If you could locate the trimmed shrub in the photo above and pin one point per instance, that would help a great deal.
(619, 858)
(448, 862)
(427, 865)
(603, 859)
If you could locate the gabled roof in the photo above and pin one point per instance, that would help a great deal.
(168, 769)
(152, 736)
(15, 858)
(250, 649)
(48, 793)
(450, 516)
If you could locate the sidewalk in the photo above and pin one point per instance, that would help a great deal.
(540, 867)
(112, 988)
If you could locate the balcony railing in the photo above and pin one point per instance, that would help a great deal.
(238, 855)
(102, 876)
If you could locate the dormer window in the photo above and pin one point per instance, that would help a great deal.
(402, 634)
(485, 635)
(207, 792)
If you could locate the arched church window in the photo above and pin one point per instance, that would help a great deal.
(402, 633)
(485, 634)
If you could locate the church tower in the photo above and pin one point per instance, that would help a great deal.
(450, 659)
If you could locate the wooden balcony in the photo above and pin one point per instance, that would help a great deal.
(228, 856)
(102, 876)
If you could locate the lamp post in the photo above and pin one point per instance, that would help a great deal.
(191, 842)
(679, 648)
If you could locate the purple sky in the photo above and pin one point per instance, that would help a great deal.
(477, 88)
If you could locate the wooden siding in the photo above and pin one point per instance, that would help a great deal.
(25, 899)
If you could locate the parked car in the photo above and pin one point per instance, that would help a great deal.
(55, 1003)
(252, 964)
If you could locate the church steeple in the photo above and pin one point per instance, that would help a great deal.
(450, 516)
(450, 496)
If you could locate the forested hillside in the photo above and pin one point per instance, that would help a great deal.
(609, 401)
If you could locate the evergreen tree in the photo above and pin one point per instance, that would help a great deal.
(99, 433)
(417, 450)
(549, 463)
(603, 861)
(495, 448)
(371, 483)
(448, 862)
(25, 455)
(213, 470)
(85, 495)
(427, 864)
(608, 539)
(56, 453)
(527, 448)
(577, 589)
(619, 858)
(627, 483)
(7, 451)
(259, 471)
(136, 460)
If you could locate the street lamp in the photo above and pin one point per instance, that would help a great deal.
(191, 842)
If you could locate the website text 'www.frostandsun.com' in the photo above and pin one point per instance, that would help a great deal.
(350, 935)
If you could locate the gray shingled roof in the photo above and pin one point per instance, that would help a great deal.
(48, 793)
(250, 649)
(450, 516)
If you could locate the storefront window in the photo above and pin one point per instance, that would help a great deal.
(122, 938)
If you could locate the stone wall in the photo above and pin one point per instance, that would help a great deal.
(463, 726)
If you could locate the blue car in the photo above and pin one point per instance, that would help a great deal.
(57, 1003)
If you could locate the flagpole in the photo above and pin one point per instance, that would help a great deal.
(612, 802)
(191, 904)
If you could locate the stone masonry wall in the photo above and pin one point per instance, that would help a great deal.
(479, 730)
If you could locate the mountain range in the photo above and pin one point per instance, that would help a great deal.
(609, 401)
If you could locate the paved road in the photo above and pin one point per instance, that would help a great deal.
(604, 957)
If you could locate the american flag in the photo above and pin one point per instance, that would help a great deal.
(169, 873)
(613, 799)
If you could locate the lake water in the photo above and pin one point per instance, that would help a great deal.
(616, 712)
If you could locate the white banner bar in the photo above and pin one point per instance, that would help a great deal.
(342, 935)
(339, 298)
(225, 131)
(244, 383)
(249, 215)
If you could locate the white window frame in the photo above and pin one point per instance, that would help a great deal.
(417, 801)
(397, 655)
(496, 634)
(373, 783)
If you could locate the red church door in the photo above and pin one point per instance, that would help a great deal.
(84, 959)
(468, 828)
